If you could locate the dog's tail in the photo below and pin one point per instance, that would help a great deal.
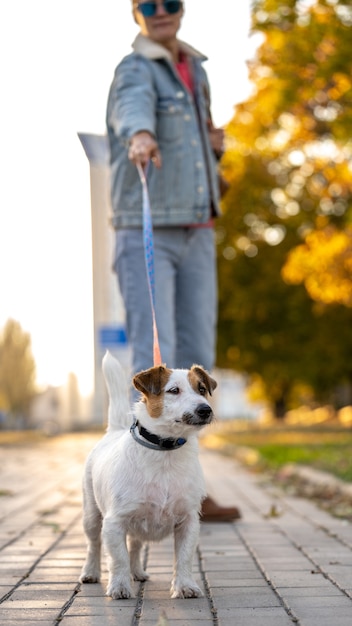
(119, 415)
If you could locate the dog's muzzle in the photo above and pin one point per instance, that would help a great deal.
(202, 415)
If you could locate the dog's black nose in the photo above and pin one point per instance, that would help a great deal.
(202, 415)
(204, 412)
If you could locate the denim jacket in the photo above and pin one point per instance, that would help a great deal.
(147, 94)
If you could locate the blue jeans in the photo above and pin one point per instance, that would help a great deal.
(185, 295)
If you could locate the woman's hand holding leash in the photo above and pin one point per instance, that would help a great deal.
(143, 148)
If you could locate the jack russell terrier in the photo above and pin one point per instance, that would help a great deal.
(144, 482)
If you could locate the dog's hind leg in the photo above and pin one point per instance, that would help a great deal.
(186, 537)
(92, 523)
(134, 548)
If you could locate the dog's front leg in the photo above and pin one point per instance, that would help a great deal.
(186, 537)
(114, 536)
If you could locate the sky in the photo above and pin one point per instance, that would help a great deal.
(57, 60)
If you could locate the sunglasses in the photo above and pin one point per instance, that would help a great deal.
(149, 9)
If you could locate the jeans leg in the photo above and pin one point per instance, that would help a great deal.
(165, 261)
(129, 265)
(185, 293)
(196, 301)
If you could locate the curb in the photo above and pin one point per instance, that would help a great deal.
(332, 494)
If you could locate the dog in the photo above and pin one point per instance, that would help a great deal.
(143, 482)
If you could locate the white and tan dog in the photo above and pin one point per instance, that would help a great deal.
(144, 482)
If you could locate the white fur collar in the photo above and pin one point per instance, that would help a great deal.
(152, 50)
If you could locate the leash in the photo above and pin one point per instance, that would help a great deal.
(149, 258)
(144, 437)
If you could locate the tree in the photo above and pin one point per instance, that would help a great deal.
(288, 212)
(17, 370)
(324, 264)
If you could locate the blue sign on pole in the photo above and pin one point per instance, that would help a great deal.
(112, 336)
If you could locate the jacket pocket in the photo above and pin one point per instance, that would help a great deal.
(169, 120)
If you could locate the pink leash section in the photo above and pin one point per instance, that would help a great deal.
(149, 258)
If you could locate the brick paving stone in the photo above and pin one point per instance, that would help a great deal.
(109, 619)
(55, 575)
(99, 606)
(217, 579)
(246, 600)
(42, 592)
(256, 620)
(180, 609)
(308, 602)
(26, 621)
(179, 622)
(39, 603)
(328, 620)
(334, 613)
(276, 616)
(311, 592)
(37, 613)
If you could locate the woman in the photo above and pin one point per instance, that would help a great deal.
(158, 116)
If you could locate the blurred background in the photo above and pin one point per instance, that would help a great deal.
(280, 73)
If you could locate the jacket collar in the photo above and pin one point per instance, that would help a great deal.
(152, 50)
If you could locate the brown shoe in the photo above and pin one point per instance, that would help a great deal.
(213, 512)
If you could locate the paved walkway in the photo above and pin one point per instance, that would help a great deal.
(285, 563)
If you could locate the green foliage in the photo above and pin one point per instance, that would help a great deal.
(334, 458)
(289, 166)
(324, 448)
(17, 370)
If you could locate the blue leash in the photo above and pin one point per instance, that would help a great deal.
(149, 257)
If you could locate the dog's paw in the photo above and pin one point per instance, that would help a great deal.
(140, 575)
(90, 576)
(187, 589)
(119, 590)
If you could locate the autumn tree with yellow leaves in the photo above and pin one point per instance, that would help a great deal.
(285, 239)
(324, 264)
(17, 371)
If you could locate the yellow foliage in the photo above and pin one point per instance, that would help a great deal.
(307, 416)
(341, 85)
(324, 264)
(345, 416)
(256, 389)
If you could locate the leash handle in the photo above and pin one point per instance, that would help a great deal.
(149, 258)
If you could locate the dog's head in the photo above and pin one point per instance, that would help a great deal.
(177, 397)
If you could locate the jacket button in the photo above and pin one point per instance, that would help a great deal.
(200, 189)
(187, 117)
(180, 94)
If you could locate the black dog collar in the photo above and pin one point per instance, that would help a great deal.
(154, 442)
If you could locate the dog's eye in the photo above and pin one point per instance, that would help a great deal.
(202, 389)
(174, 390)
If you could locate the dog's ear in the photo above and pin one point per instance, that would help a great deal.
(152, 381)
(206, 379)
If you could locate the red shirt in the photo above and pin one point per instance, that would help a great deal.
(184, 71)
